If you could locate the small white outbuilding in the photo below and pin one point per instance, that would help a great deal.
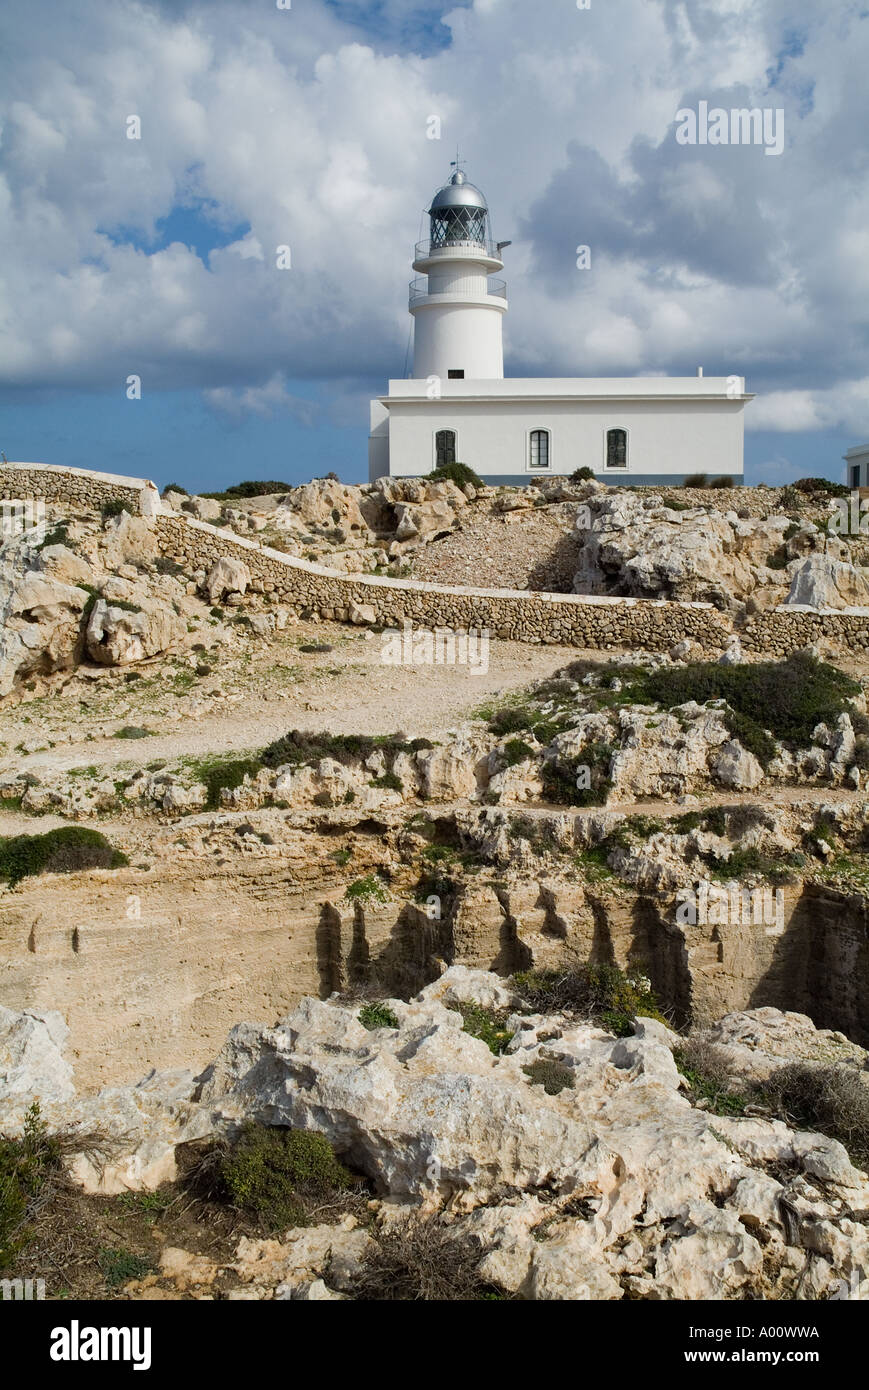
(857, 466)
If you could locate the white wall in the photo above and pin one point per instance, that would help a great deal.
(665, 437)
(859, 458)
(458, 337)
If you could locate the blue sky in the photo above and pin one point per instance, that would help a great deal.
(262, 127)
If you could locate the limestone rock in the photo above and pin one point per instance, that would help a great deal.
(822, 581)
(117, 636)
(227, 575)
(736, 767)
(32, 1064)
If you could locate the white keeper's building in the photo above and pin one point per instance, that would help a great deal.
(459, 406)
(856, 465)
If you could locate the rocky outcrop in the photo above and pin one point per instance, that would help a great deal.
(829, 581)
(611, 1185)
(118, 636)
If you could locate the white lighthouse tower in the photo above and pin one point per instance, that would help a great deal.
(457, 309)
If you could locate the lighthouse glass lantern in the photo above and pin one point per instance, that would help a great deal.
(459, 215)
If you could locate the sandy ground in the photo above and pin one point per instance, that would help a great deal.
(262, 693)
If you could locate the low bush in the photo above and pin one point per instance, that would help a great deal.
(28, 1166)
(821, 487)
(175, 487)
(552, 1075)
(58, 535)
(706, 1068)
(582, 475)
(696, 480)
(604, 993)
(269, 1173)
(223, 773)
(583, 782)
(373, 1016)
(367, 888)
(299, 747)
(488, 1025)
(133, 731)
(723, 482)
(422, 1261)
(63, 851)
(114, 507)
(516, 751)
(119, 1267)
(831, 1099)
(251, 487)
(459, 473)
(787, 697)
(390, 781)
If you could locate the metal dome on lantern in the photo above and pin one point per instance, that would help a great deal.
(459, 214)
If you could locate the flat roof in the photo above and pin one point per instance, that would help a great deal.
(696, 388)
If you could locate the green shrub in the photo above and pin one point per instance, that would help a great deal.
(552, 1075)
(220, 773)
(696, 480)
(175, 487)
(114, 507)
(163, 565)
(723, 482)
(390, 781)
(59, 535)
(62, 851)
(269, 1172)
(517, 751)
(582, 475)
(133, 731)
(369, 887)
(705, 1066)
(787, 697)
(611, 996)
(821, 487)
(743, 862)
(250, 488)
(459, 473)
(487, 1025)
(373, 1016)
(777, 559)
(560, 780)
(299, 746)
(119, 1267)
(27, 1165)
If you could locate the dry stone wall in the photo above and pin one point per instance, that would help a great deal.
(557, 619)
(78, 486)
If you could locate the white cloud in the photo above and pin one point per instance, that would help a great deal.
(266, 401)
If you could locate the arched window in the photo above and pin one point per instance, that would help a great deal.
(539, 455)
(445, 447)
(616, 448)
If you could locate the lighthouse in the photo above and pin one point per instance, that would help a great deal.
(458, 407)
(457, 308)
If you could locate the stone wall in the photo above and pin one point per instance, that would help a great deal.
(78, 486)
(558, 619)
(785, 630)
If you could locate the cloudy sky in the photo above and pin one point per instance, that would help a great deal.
(307, 127)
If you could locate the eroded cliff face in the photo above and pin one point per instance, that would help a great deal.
(239, 918)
